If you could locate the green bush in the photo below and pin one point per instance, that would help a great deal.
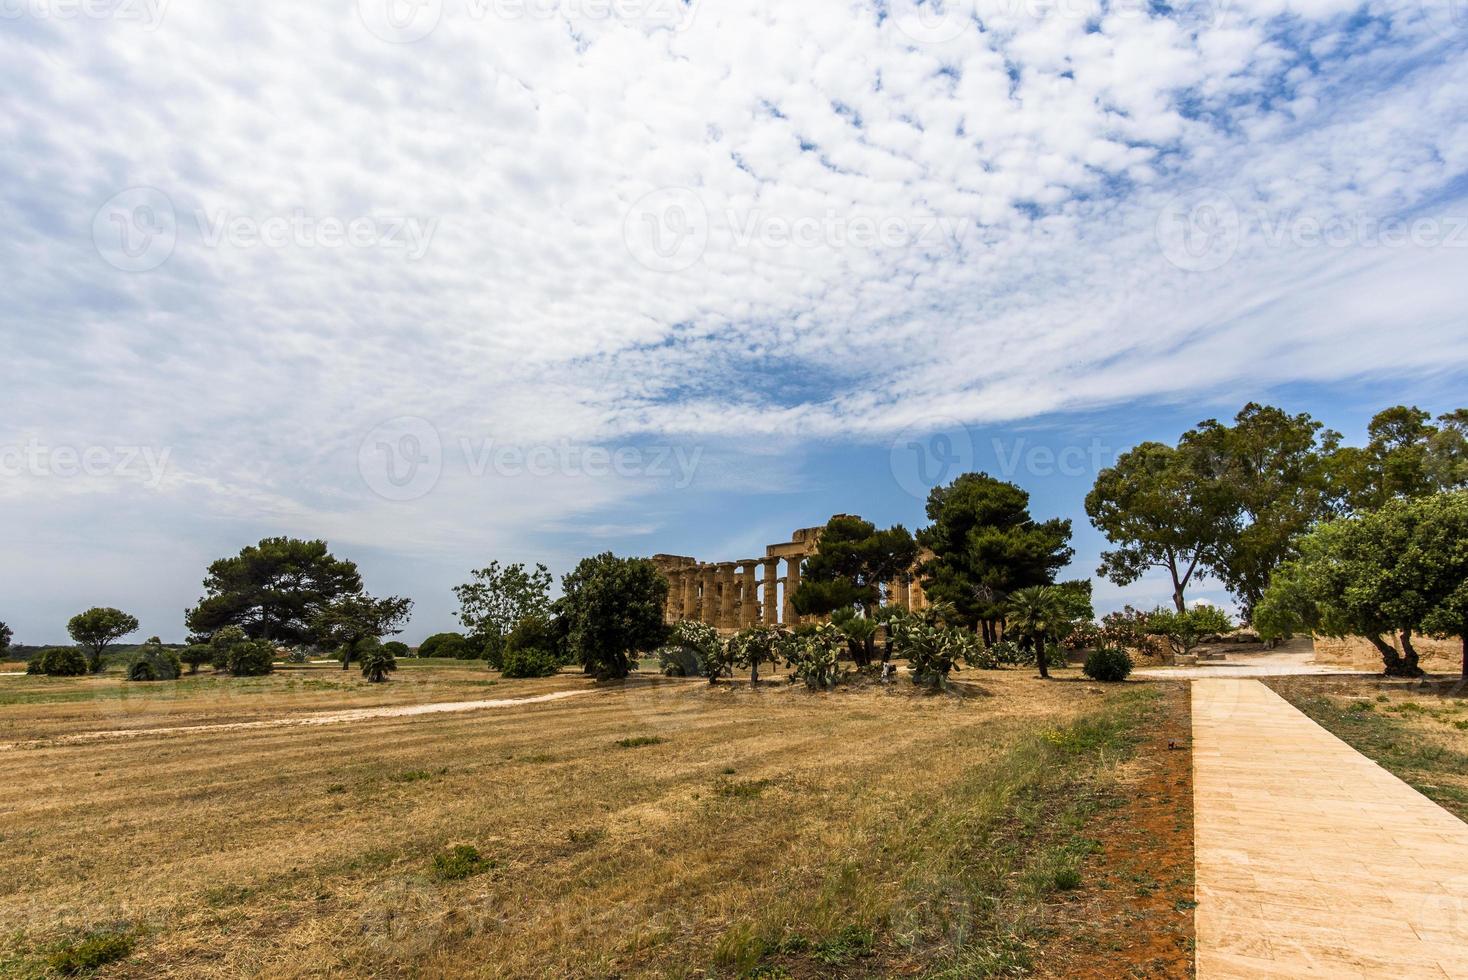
(376, 660)
(397, 648)
(1108, 664)
(453, 646)
(539, 632)
(58, 662)
(530, 662)
(693, 650)
(237, 654)
(154, 662)
(196, 654)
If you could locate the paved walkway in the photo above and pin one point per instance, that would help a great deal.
(1313, 861)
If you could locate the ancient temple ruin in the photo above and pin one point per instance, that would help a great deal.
(732, 595)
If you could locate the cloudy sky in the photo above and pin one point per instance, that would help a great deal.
(444, 281)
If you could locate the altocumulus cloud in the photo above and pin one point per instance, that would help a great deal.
(253, 234)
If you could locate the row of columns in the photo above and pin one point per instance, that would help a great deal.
(727, 594)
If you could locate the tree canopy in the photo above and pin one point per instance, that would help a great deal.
(613, 608)
(275, 591)
(497, 598)
(985, 546)
(1398, 570)
(97, 629)
(854, 562)
(355, 623)
(5, 636)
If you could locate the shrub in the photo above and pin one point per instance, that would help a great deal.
(297, 655)
(237, 654)
(814, 654)
(1183, 631)
(397, 648)
(58, 662)
(454, 646)
(1084, 635)
(530, 662)
(1108, 664)
(539, 632)
(154, 662)
(195, 654)
(376, 660)
(91, 952)
(459, 862)
(756, 645)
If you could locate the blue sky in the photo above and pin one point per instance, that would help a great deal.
(469, 280)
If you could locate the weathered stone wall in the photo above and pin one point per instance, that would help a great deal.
(1436, 656)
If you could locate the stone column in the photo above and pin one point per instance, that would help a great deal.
(728, 598)
(771, 586)
(674, 604)
(792, 582)
(688, 599)
(708, 603)
(749, 614)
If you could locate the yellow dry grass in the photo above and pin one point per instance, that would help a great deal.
(731, 819)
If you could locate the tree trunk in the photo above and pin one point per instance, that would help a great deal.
(871, 648)
(1041, 658)
(1395, 665)
(753, 673)
(1465, 651)
(1410, 660)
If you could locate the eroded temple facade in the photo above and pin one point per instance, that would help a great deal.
(732, 595)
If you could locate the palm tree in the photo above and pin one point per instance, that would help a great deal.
(1038, 614)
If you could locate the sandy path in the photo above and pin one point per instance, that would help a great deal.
(320, 718)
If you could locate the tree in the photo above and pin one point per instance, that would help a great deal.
(274, 591)
(1041, 615)
(1270, 475)
(1405, 456)
(1160, 510)
(397, 648)
(496, 599)
(196, 654)
(376, 659)
(694, 649)
(450, 646)
(814, 656)
(152, 661)
(986, 546)
(613, 608)
(58, 662)
(1184, 630)
(5, 636)
(97, 629)
(1398, 570)
(854, 562)
(355, 622)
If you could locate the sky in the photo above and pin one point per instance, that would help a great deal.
(452, 281)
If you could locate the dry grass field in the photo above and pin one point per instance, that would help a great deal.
(653, 828)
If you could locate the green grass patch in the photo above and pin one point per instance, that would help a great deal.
(89, 953)
(460, 862)
(637, 741)
(740, 789)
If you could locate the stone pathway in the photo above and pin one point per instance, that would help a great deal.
(1313, 861)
